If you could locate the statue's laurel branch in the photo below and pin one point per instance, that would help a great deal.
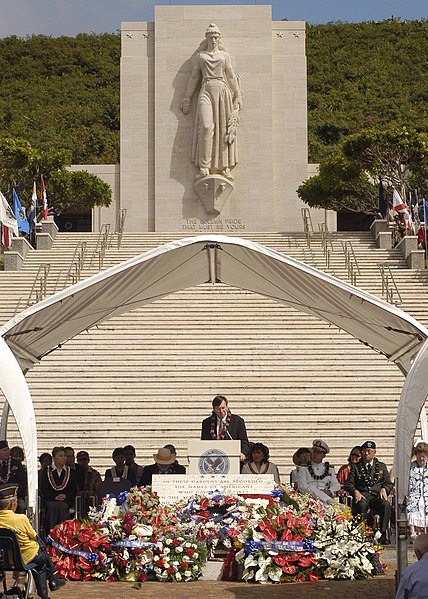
(232, 127)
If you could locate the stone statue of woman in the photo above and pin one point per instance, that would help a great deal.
(214, 146)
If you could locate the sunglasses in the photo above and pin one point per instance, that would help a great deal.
(355, 455)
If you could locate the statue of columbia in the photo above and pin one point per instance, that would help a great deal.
(214, 146)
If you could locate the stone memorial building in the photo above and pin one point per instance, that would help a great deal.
(213, 123)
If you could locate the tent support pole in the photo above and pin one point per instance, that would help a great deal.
(401, 536)
(4, 420)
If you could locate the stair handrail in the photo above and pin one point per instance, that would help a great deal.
(57, 281)
(120, 226)
(17, 307)
(77, 263)
(39, 286)
(326, 243)
(389, 285)
(101, 245)
(307, 224)
(351, 262)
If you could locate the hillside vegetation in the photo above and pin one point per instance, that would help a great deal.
(64, 92)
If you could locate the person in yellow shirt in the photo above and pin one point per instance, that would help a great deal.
(32, 549)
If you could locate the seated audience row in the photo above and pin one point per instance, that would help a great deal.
(364, 478)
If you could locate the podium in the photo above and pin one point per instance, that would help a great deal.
(214, 457)
(213, 466)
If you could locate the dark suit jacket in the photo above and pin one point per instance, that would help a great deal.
(237, 432)
(355, 482)
(18, 476)
(49, 493)
(148, 472)
(130, 477)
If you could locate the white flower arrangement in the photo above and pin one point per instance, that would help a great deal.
(344, 549)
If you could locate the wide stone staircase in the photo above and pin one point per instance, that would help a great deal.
(148, 377)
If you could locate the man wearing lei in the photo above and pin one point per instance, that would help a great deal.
(317, 477)
(369, 484)
(12, 471)
(222, 424)
(58, 489)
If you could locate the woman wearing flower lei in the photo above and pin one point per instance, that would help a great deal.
(259, 462)
(318, 477)
(58, 489)
(417, 502)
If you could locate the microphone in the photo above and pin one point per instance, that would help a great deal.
(228, 433)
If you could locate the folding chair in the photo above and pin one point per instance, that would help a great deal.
(11, 559)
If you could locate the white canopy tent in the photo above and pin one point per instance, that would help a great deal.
(188, 262)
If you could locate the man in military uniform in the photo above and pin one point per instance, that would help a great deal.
(369, 484)
(13, 472)
(317, 477)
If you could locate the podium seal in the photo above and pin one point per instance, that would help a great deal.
(214, 461)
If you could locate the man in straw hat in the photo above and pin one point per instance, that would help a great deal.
(33, 552)
(317, 477)
(165, 463)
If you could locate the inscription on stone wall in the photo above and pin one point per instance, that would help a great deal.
(212, 225)
(175, 487)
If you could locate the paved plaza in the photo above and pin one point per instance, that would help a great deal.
(380, 587)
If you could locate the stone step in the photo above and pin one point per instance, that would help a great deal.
(148, 376)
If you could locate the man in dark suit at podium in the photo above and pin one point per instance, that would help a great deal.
(222, 424)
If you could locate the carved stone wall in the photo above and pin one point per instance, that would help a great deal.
(156, 175)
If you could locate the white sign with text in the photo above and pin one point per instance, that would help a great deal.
(176, 487)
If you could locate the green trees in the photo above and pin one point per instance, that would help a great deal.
(21, 164)
(348, 176)
(62, 93)
(398, 155)
(364, 75)
(341, 184)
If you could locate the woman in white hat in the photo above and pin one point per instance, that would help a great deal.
(318, 478)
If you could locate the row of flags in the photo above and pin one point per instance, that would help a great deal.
(409, 212)
(16, 220)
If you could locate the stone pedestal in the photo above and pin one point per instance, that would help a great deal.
(15, 257)
(213, 192)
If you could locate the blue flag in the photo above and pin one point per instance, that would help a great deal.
(426, 212)
(21, 219)
(382, 201)
(33, 207)
(414, 205)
